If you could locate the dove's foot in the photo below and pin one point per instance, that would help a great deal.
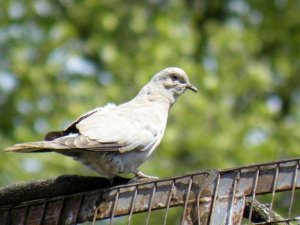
(141, 177)
(140, 174)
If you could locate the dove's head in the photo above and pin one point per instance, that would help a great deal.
(171, 83)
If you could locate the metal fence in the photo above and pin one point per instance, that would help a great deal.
(263, 194)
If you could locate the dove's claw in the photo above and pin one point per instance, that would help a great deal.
(140, 174)
(140, 177)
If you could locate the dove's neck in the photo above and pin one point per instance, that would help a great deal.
(155, 93)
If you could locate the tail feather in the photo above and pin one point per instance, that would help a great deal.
(28, 147)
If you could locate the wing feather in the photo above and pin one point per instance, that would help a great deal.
(121, 129)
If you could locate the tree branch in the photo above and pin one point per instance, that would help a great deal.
(261, 213)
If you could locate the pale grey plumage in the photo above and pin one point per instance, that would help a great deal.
(118, 139)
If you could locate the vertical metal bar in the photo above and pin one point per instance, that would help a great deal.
(274, 185)
(168, 202)
(114, 207)
(151, 203)
(132, 205)
(253, 195)
(60, 210)
(293, 189)
(198, 198)
(79, 208)
(198, 205)
(237, 178)
(26, 213)
(214, 200)
(187, 199)
(97, 208)
(8, 217)
(43, 212)
(95, 215)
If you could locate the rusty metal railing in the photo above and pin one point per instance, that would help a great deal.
(263, 193)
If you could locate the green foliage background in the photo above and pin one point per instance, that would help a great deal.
(60, 59)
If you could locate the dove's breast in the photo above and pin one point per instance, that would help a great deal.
(111, 164)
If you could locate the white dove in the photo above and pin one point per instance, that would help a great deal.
(118, 139)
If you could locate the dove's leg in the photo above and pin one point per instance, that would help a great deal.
(141, 177)
(139, 174)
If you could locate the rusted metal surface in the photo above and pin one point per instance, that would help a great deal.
(209, 197)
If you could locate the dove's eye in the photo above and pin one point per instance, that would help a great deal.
(174, 77)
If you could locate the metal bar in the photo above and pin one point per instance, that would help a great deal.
(81, 199)
(186, 200)
(239, 201)
(266, 164)
(253, 195)
(231, 210)
(198, 206)
(43, 212)
(8, 217)
(273, 190)
(132, 205)
(212, 210)
(168, 203)
(293, 188)
(207, 196)
(114, 207)
(150, 203)
(198, 199)
(60, 211)
(25, 215)
(97, 207)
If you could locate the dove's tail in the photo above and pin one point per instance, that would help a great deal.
(27, 147)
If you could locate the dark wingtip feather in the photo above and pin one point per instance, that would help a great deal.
(50, 136)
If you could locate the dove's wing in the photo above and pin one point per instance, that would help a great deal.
(52, 135)
(82, 117)
(122, 129)
(130, 126)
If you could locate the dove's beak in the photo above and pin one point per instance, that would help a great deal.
(192, 88)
